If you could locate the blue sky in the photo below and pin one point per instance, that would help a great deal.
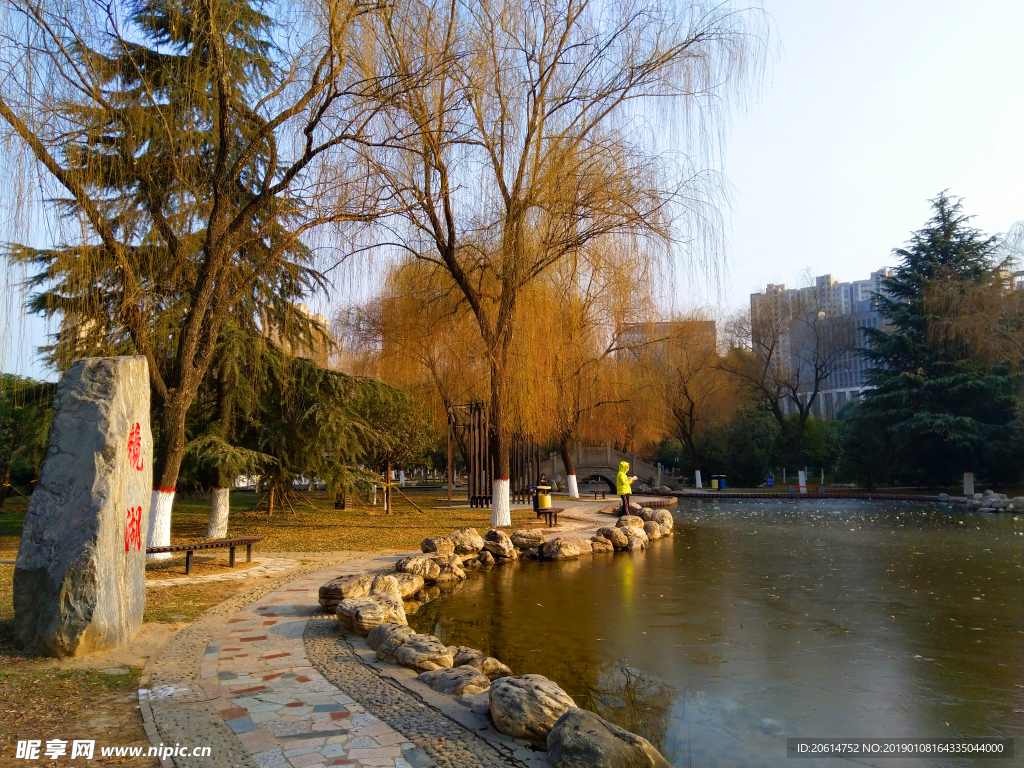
(868, 110)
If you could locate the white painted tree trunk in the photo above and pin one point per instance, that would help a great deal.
(218, 525)
(159, 534)
(501, 513)
(574, 489)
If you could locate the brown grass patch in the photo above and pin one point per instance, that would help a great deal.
(71, 704)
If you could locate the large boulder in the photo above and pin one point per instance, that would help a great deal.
(384, 638)
(448, 572)
(528, 538)
(456, 681)
(652, 529)
(601, 544)
(666, 529)
(581, 739)
(342, 588)
(616, 536)
(485, 558)
(386, 582)
(499, 544)
(441, 545)
(527, 707)
(466, 541)
(80, 576)
(635, 542)
(663, 517)
(488, 666)
(361, 614)
(560, 549)
(630, 521)
(408, 584)
(646, 514)
(477, 703)
(423, 653)
(417, 565)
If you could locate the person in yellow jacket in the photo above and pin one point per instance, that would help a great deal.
(624, 485)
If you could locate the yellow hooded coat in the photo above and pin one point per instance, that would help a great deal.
(622, 484)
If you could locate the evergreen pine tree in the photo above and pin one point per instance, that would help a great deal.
(944, 410)
(173, 140)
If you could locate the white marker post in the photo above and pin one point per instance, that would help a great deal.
(697, 479)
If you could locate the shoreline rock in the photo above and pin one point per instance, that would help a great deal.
(527, 707)
(582, 739)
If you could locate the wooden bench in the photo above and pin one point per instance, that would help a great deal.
(188, 549)
(604, 494)
(551, 515)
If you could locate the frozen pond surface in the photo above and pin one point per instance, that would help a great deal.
(762, 620)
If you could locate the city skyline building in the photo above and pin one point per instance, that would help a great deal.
(855, 301)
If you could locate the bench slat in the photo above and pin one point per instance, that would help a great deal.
(219, 544)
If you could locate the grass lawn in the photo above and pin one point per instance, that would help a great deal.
(316, 528)
(321, 528)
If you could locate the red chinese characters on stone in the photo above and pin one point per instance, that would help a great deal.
(135, 447)
(133, 529)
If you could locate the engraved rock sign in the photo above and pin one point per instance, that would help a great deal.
(79, 581)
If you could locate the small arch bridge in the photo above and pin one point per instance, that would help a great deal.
(600, 462)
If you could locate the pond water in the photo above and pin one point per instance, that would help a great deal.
(762, 620)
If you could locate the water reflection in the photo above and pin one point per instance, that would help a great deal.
(760, 621)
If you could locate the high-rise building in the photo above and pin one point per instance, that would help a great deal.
(856, 300)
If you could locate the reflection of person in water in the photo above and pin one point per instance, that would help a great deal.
(624, 485)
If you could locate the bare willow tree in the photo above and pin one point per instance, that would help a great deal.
(189, 150)
(600, 306)
(693, 381)
(784, 352)
(538, 128)
(418, 334)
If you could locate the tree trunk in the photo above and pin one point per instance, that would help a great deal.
(220, 508)
(501, 514)
(565, 447)
(3, 488)
(387, 490)
(270, 500)
(691, 448)
(169, 450)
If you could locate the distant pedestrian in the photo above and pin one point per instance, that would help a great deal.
(624, 485)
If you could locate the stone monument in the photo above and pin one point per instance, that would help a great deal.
(80, 577)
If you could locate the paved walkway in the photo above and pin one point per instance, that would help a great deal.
(259, 702)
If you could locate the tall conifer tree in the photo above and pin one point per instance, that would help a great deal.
(946, 410)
